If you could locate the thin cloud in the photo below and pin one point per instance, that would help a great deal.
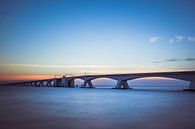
(173, 60)
(190, 59)
(191, 38)
(176, 60)
(179, 38)
(174, 39)
(179, 60)
(156, 61)
(154, 39)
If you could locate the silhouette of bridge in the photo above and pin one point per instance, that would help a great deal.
(120, 78)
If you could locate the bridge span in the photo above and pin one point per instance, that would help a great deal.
(120, 78)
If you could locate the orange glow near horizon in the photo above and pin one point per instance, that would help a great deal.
(24, 77)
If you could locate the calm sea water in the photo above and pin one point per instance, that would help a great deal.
(79, 108)
(177, 88)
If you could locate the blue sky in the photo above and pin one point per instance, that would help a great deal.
(96, 36)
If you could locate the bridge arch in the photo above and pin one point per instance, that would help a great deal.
(44, 83)
(78, 82)
(104, 82)
(158, 81)
(52, 83)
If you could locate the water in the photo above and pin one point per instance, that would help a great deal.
(168, 88)
(79, 108)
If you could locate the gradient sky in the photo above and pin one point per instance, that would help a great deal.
(44, 38)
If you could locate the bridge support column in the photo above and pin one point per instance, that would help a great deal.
(191, 86)
(31, 83)
(71, 83)
(67, 83)
(57, 82)
(48, 83)
(122, 84)
(89, 83)
(35, 84)
(41, 83)
(63, 81)
(38, 84)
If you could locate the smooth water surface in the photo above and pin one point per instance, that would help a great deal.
(79, 108)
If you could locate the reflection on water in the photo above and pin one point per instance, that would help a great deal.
(148, 87)
(79, 108)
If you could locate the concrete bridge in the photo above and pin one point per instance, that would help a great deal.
(120, 78)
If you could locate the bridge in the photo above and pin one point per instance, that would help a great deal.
(121, 79)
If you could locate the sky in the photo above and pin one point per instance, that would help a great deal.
(47, 38)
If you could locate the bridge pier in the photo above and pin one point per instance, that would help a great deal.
(41, 83)
(191, 86)
(31, 83)
(71, 83)
(37, 83)
(48, 84)
(63, 81)
(67, 82)
(34, 83)
(89, 83)
(57, 82)
(28, 84)
(122, 84)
